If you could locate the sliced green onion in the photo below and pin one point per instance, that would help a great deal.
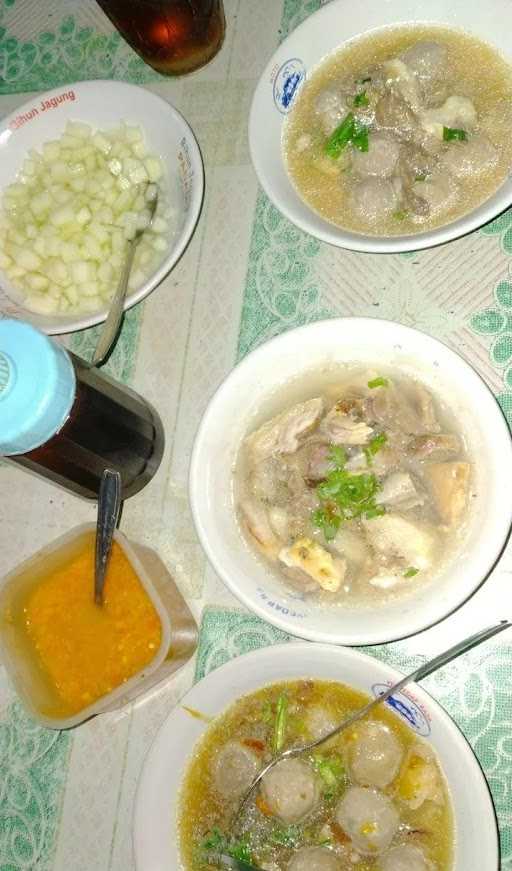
(400, 215)
(280, 723)
(339, 139)
(378, 382)
(330, 769)
(360, 137)
(454, 134)
(361, 99)
(374, 446)
(337, 455)
(421, 177)
(289, 836)
(410, 572)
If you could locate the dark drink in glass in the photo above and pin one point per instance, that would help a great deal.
(172, 36)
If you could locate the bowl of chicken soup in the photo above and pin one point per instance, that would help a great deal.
(350, 481)
(399, 790)
(384, 127)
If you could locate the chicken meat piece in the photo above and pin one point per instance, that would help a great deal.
(458, 112)
(399, 491)
(282, 434)
(381, 158)
(257, 522)
(350, 545)
(448, 484)
(374, 198)
(319, 463)
(316, 562)
(385, 580)
(411, 412)
(394, 536)
(291, 790)
(471, 157)
(436, 445)
(343, 425)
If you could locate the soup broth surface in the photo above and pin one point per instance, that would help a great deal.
(435, 108)
(320, 823)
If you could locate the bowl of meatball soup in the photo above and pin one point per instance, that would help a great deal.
(385, 127)
(398, 791)
(350, 481)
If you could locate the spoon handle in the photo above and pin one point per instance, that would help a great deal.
(113, 321)
(109, 506)
(420, 673)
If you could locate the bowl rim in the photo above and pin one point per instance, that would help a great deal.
(68, 323)
(325, 230)
(148, 803)
(216, 555)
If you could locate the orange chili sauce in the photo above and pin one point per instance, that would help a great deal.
(85, 651)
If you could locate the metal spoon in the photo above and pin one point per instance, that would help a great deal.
(113, 320)
(109, 506)
(417, 675)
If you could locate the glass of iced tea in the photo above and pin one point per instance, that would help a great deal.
(173, 36)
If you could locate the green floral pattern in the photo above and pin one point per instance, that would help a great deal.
(501, 226)
(281, 291)
(495, 323)
(121, 363)
(69, 53)
(33, 763)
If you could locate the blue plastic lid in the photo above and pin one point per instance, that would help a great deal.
(37, 387)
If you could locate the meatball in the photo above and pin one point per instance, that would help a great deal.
(369, 818)
(375, 756)
(404, 858)
(291, 790)
(426, 59)
(381, 158)
(234, 769)
(476, 155)
(439, 191)
(374, 198)
(331, 108)
(319, 722)
(314, 859)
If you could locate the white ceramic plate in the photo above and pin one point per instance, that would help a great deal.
(233, 412)
(103, 105)
(155, 829)
(295, 60)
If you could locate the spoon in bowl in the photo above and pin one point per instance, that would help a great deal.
(109, 507)
(115, 314)
(417, 675)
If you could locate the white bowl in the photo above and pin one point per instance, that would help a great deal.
(232, 413)
(105, 104)
(297, 57)
(156, 805)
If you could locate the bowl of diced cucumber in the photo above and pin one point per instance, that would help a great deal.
(78, 167)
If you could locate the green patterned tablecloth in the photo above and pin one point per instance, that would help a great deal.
(66, 799)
